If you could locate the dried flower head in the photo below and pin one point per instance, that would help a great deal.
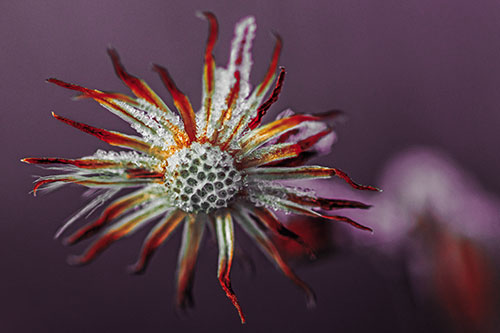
(211, 169)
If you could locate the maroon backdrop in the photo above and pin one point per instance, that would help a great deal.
(406, 72)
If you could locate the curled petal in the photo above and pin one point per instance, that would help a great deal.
(138, 86)
(261, 88)
(261, 111)
(208, 71)
(295, 208)
(209, 66)
(341, 174)
(303, 172)
(225, 239)
(181, 102)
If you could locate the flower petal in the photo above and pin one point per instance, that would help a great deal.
(270, 155)
(84, 163)
(265, 244)
(158, 235)
(181, 102)
(191, 238)
(324, 203)
(299, 209)
(261, 110)
(114, 210)
(303, 172)
(138, 86)
(253, 139)
(111, 137)
(118, 230)
(104, 99)
(99, 181)
(208, 76)
(265, 216)
(225, 239)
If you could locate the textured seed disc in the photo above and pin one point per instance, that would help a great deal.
(202, 178)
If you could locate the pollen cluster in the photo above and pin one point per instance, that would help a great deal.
(202, 178)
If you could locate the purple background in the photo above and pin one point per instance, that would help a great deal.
(407, 72)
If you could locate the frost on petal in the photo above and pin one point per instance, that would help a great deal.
(88, 209)
(311, 128)
(263, 134)
(241, 59)
(232, 84)
(114, 210)
(249, 111)
(124, 227)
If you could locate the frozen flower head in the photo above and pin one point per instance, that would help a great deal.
(206, 170)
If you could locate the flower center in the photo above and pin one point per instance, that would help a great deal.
(202, 178)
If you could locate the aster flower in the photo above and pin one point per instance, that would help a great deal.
(214, 168)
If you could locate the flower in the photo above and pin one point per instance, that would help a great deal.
(441, 228)
(422, 183)
(206, 169)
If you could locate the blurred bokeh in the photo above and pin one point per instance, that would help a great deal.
(411, 73)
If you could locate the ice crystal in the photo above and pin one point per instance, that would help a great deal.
(213, 168)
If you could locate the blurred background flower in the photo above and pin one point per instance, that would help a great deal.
(444, 227)
(438, 230)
